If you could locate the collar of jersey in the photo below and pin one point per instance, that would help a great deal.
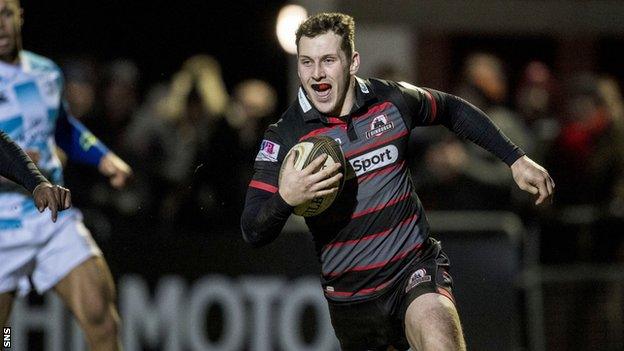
(363, 97)
(10, 70)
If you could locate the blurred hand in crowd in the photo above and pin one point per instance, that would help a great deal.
(446, 159)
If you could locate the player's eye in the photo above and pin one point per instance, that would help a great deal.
(6, 13)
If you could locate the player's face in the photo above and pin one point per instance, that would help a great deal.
(326, 73)
(10, 25)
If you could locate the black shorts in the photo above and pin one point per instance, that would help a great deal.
(377, 323)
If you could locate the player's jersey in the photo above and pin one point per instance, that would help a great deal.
(377, 225)
(30, 108)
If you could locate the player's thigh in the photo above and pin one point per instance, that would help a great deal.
(6, 303)
(432, 319)
(88, 290)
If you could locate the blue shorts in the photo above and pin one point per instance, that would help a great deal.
(36, 251)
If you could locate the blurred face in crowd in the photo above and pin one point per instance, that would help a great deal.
(327, 74)
(10, 25)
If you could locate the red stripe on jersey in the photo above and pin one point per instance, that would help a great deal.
(374, 110)
(380, 142)
(321, 131)
(263, 186)
(372, 236)
(434, 106)
(382, 206)
(335, 120)
(366, 291)
(397, 257)
(380, 172)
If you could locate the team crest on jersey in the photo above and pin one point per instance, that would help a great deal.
(378, 126)
(420, 276)
(268, 151)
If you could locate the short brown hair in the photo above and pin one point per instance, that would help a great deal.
(321, 23)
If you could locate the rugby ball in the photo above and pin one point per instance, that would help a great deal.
(307, 151)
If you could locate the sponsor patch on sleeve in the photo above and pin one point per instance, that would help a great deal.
(268, 151)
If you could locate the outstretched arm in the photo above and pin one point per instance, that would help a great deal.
(467, 121)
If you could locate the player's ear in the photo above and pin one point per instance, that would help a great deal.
(355, 63)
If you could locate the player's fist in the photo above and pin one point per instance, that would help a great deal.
(54, 197)
(115, 169)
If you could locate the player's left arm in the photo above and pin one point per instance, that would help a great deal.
(82, 146)
(432, 107)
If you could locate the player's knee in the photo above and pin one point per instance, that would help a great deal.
(99, 313)
(104, 323)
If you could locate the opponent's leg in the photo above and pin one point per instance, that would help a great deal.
(89, 292)
(432, 324)
(6, 303)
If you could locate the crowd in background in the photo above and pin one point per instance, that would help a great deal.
(192, 143)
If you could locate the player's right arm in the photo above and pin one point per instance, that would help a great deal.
(18, 167)
(271, 198)
(265, 211)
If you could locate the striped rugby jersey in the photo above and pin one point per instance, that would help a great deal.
(377, 225)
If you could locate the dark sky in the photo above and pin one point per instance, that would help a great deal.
(159, 35)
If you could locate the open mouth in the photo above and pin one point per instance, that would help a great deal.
(322, 90)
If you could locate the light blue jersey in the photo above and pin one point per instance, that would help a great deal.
(33, 114)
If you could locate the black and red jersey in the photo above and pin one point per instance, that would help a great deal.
(377, 225)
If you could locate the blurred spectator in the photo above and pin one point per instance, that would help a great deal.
(172, 136)
(587, 162)
(119, 102)
(535, 98)
(81, 83)
(587, 155)
(250, 112)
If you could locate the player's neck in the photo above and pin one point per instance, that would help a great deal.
(11, 59)
(349, 99)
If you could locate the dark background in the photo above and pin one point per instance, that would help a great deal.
(160, 35)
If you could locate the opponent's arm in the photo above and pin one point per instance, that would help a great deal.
(18, 167)
(82, 146)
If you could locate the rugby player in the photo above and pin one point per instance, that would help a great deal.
(62, 255)
(386, 280)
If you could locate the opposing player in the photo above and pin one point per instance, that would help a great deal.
(386, 280)
(62, 255)
(18, 167)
